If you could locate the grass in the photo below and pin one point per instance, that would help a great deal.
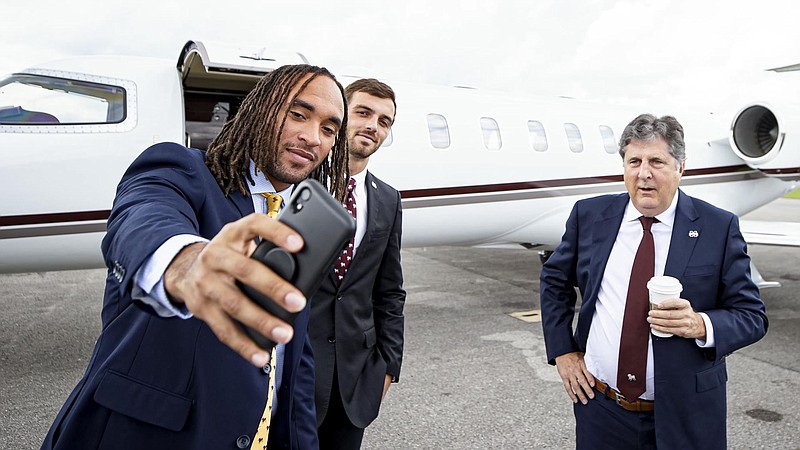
(793, 194)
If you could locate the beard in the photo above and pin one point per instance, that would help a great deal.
(360, 150)
(363, 152)
(285, 171)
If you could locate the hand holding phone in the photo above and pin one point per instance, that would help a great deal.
(326, 228)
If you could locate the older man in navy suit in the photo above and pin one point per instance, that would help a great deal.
(630, 389)
(172, 369)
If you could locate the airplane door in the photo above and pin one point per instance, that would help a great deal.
(215, 80)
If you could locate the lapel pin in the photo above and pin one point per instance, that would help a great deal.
(374, 185)
(694, 234)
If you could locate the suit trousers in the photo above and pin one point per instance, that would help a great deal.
(336, 432)
(603, 425)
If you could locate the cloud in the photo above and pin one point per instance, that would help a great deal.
(615, 51)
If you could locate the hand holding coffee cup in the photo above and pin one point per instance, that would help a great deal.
(663, 288)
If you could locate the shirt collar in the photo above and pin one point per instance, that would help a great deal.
(667, 217)
(262, 184)
(360, 177)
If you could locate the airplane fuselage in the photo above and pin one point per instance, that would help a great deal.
(474, 168)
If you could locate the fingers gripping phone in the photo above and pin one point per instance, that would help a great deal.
(325, 226)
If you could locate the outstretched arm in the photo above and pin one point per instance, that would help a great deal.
(203, 277)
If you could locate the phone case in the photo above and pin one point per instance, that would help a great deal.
(326, 227)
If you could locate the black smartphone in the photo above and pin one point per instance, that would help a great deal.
(326, 227)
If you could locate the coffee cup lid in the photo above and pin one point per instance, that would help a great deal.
(665, 284)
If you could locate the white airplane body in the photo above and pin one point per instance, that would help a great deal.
(474, 168)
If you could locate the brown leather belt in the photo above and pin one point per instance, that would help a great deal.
(635, 406)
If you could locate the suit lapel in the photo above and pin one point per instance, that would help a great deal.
(685, 232)
(242, 202)
(373, 206)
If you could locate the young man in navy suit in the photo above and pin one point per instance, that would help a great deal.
(357, 315)
(676, 385)
(172, 369)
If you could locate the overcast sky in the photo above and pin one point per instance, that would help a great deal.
(604, 49)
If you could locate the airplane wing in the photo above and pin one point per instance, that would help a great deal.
(789, 68)
(771, 233)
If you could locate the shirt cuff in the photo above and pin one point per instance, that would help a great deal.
(709, 342)
(149, 279)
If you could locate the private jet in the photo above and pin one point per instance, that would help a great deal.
(475, 168)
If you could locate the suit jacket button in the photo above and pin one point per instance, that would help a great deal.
(331, 339)
(339, 297)
(243, 441)
(267, 368)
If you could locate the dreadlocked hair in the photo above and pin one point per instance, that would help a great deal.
(253, 135)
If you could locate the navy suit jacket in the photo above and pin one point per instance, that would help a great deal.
(714, 269)
(357, 326)
(169, 383)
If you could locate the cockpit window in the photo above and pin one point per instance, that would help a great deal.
(27, 99)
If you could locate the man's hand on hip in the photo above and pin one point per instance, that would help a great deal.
(387, 381)
(577, 380)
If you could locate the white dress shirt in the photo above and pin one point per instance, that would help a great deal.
(602, 346)
(360, 193)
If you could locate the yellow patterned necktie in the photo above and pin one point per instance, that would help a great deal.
(274, 202)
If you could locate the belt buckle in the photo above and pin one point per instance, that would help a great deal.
(617, 397)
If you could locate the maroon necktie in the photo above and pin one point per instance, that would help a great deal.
(632, 368)
(347, 254)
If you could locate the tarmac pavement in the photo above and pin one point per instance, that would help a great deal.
(473, 375)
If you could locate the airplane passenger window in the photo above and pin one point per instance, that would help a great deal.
(491, 134)
(609, 142)
(438, 130)
(574, 137)
(537, 135)
(41, 100)
(389, 139)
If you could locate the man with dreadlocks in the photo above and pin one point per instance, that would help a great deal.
(171, 368)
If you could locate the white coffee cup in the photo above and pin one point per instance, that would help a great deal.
(663, 288)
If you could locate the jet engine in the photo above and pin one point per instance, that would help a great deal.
(756, 135)
(759, 137)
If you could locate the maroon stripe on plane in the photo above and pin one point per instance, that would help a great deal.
(38, 219)
(781, 171)
(504, 187)
(718, 170)
(543, 184)
(82, 216)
